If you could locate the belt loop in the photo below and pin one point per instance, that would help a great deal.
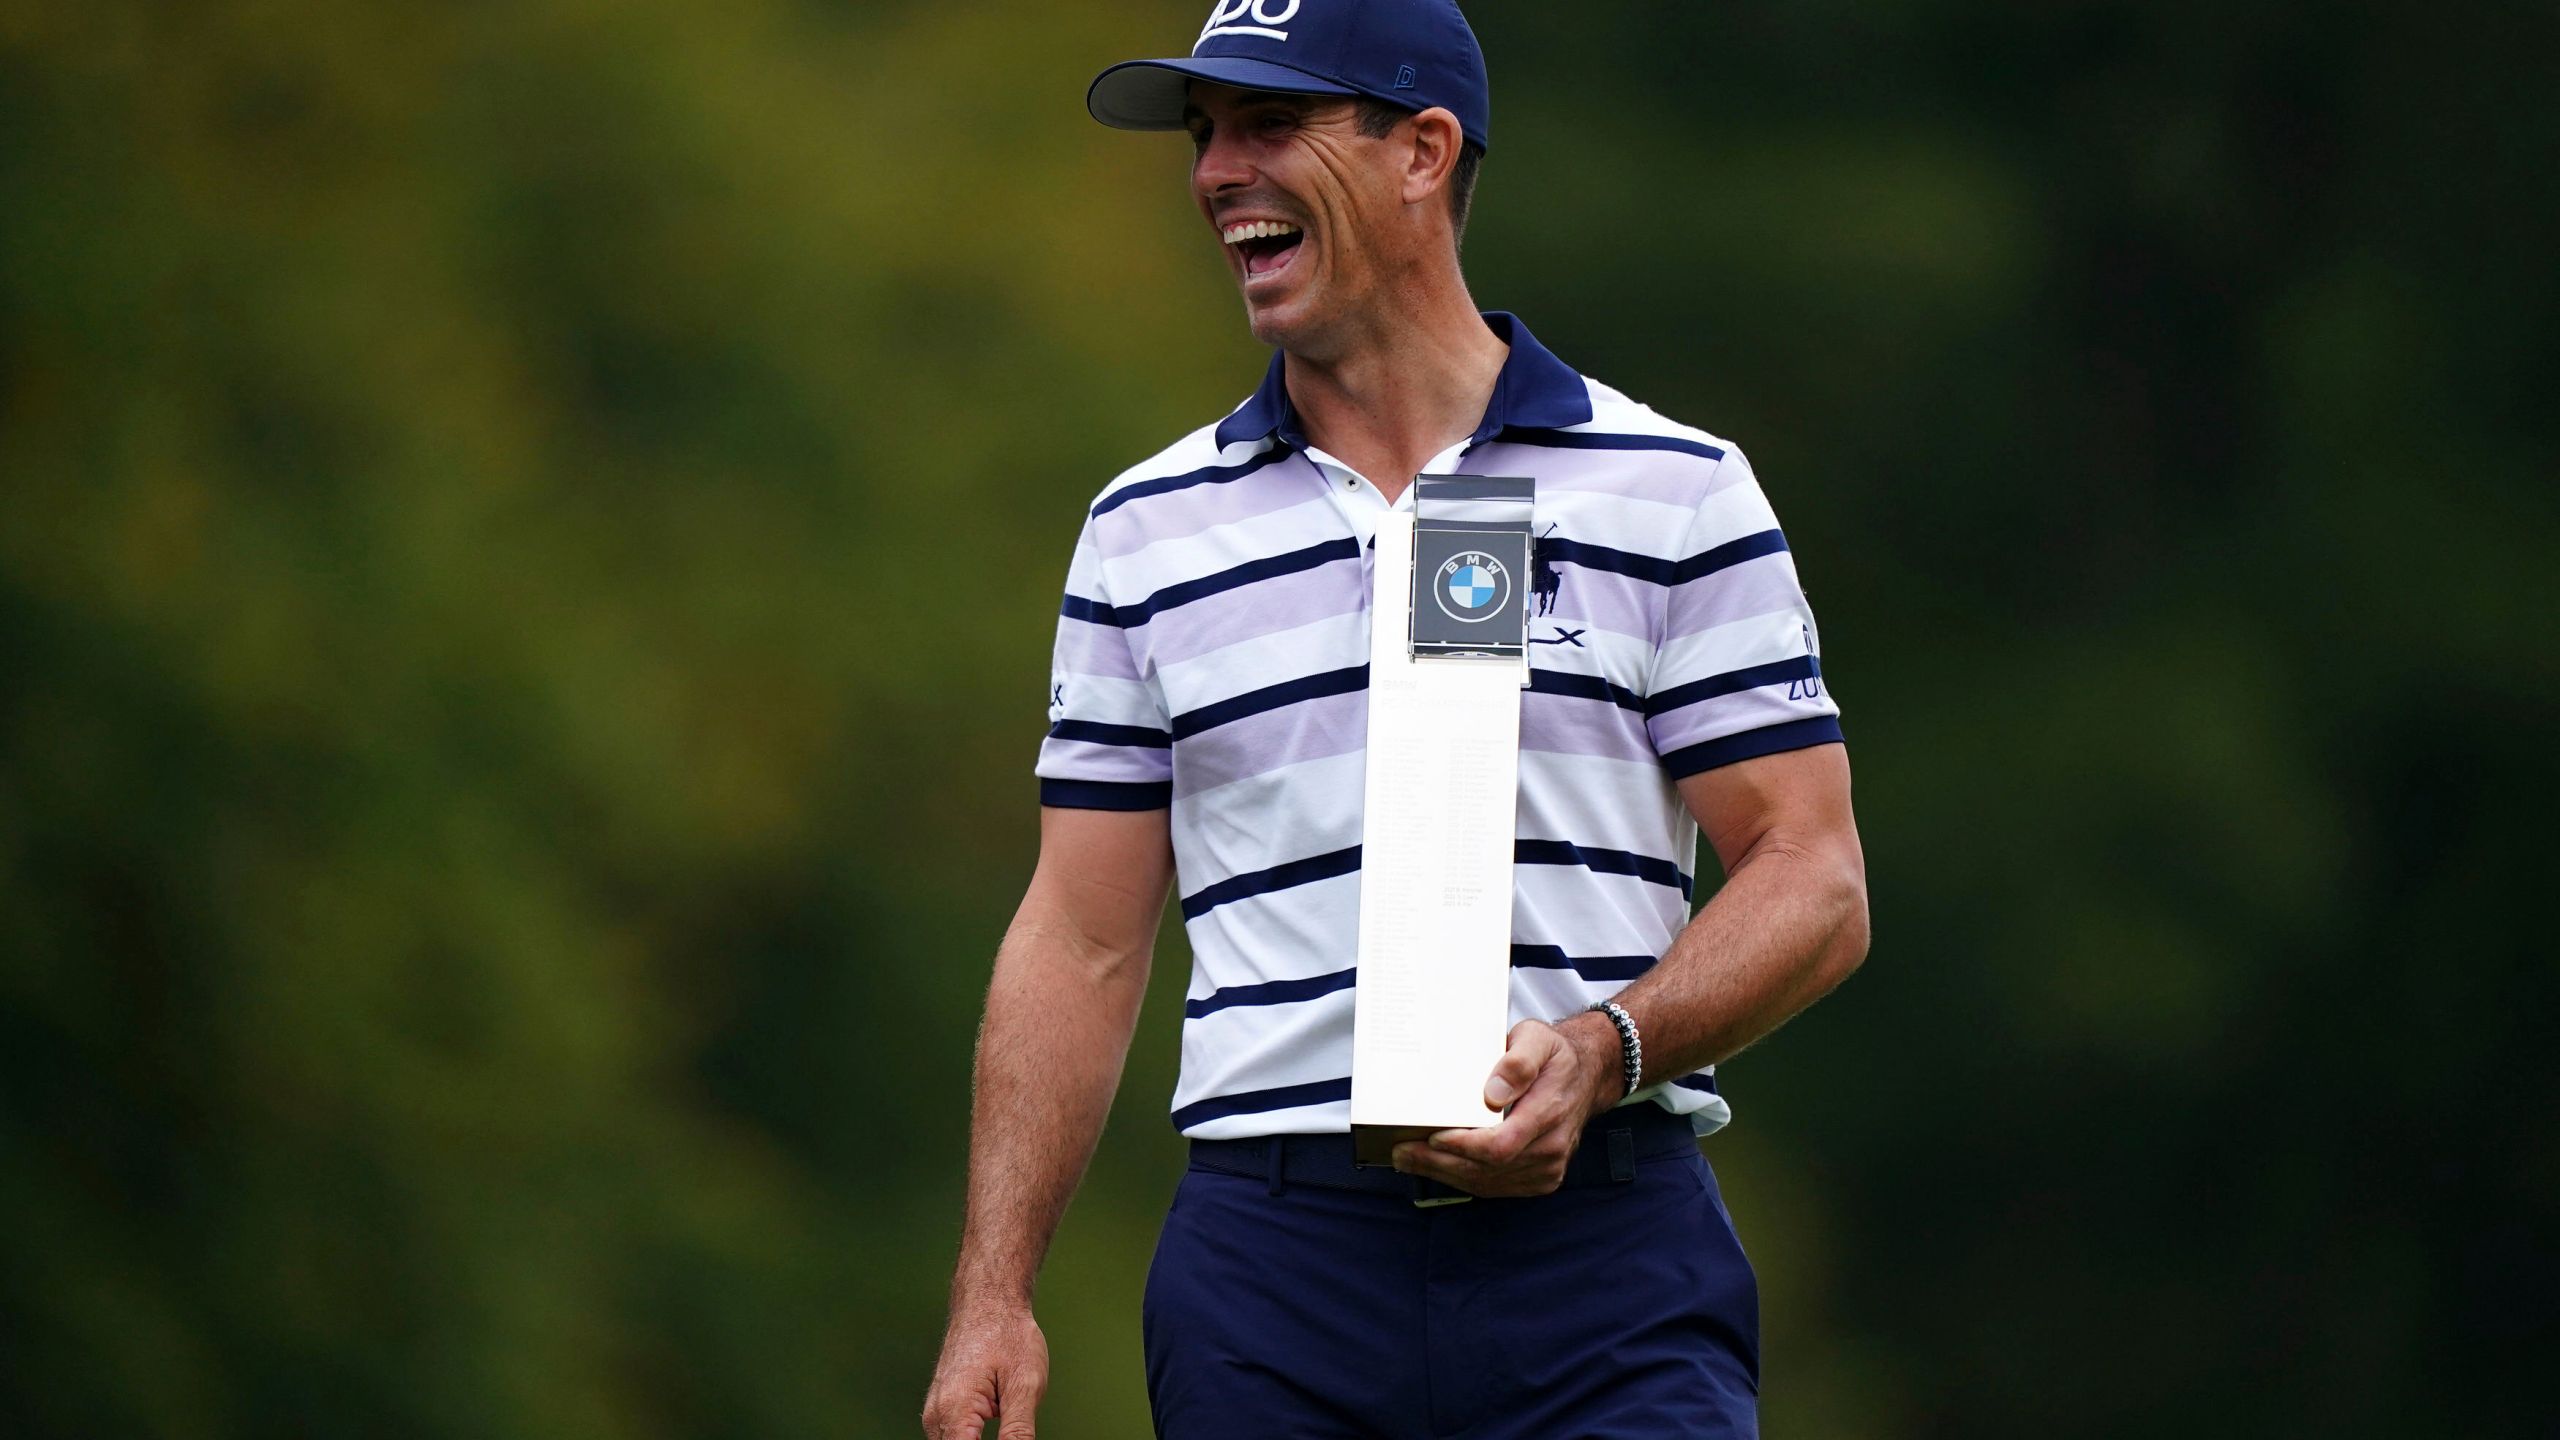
(1622, 1155)
(1277, 1157)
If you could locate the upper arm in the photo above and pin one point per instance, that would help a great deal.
(1797, 799)
(1736, 703)
(1110, 743)
(1103, 875)
(1106, 779)
(1737, 671)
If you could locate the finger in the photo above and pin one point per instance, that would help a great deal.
(1416, 1158)
(946, 1418)
(1486, 1144)
(1540, 1121)
(1525, 1174)
(966, 1414)
(1021, 1391)
(1525, 1052)
(1545, 1106)
(1485, 1180)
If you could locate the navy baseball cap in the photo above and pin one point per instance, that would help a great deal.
(1410, 53)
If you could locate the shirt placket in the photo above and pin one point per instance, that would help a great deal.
(1360, 504)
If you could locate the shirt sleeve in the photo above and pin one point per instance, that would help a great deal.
(1738, 673)
(1110, 745)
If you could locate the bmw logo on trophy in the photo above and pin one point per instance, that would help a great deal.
(1471, 548)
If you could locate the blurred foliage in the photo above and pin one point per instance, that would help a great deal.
(529, 537)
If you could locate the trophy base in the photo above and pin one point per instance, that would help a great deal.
(1374, 1145)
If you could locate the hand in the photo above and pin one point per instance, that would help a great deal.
(995, 1366)
(1554, 1078)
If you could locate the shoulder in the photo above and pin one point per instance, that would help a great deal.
(1630, 452)
(1614, 413)
(1189, 485)
(1730, 519)
(1195, 459)
(1189, 453)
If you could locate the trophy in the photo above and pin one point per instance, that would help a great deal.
(1448, 657)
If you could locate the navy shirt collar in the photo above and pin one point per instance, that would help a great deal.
(1535, 390)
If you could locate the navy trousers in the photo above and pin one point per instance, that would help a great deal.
(1314, 1312)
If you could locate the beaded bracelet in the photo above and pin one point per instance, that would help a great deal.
(1630, 1048)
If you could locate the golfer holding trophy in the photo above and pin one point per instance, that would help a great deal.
(1415, 679)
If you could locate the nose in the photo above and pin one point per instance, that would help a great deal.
(1221, 165)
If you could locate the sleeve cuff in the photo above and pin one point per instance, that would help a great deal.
(1689, 760)
(1106, 794)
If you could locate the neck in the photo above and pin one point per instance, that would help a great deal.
(1411, 382)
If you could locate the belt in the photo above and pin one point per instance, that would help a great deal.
(1611, 1146)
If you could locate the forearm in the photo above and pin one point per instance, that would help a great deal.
(1788, 925)
(1060, 1012)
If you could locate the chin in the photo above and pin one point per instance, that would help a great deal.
(1266, 330)
(1292, 324)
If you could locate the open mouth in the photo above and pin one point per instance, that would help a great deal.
(1266, 246)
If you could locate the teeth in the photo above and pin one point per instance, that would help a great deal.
(1256, 230)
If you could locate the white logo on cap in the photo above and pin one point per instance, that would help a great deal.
(1262, 12)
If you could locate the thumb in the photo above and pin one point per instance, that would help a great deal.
(1528, 1047)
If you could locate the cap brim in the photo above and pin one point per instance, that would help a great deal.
(1150, 94)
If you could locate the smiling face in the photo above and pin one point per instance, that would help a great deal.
(1315, 217)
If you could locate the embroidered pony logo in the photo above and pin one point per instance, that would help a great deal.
(1543, 579)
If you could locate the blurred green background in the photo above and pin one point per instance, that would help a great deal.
(529, 541)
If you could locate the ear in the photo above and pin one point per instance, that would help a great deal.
(1436, 138)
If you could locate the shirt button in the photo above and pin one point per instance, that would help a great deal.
(1350, 484)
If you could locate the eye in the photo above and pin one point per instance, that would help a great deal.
(1200, 136)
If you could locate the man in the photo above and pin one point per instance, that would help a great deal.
(1208, 708)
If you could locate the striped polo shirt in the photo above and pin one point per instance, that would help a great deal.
(1212, 658)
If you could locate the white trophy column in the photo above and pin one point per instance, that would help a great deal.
(1433, 999)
